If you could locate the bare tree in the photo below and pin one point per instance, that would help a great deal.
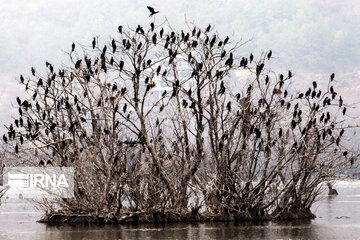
(159, 128)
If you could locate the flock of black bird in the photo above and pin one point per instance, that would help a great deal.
(192, 41)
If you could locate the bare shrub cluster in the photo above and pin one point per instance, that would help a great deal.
(163, 125)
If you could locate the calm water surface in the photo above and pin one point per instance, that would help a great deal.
(337, 218)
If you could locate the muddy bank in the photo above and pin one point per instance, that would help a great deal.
(157, 216)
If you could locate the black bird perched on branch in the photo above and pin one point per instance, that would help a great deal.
(152, 11)
(154, 39)
(228, 106)
(113, 44)
(208, 28)
(93, 43)
(340, 102)
(269, 55)
(230, 60)
(314, 84)
(73, 47)
(42, 163)
(226, 40)
(332, 76)
(78, 63)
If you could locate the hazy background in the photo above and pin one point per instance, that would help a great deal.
(312, 38)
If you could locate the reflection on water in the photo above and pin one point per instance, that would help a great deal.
(338, 217)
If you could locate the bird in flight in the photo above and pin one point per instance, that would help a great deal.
(152, 11)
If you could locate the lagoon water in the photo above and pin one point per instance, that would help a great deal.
(338, 217)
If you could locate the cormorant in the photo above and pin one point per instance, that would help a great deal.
(93, 43)
(226, 40)
(332, 76)
(269, 55)
(152, 11)
(208, 28)
(340, 102)
(113, 44)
